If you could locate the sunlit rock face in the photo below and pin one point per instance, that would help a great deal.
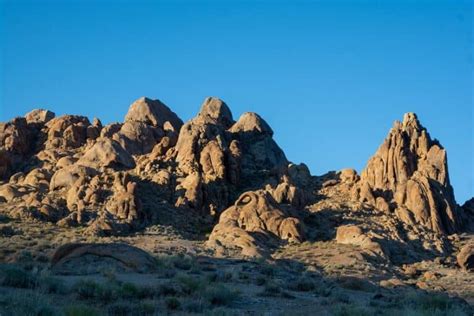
(409, 174)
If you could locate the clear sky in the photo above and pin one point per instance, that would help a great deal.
(330, 77)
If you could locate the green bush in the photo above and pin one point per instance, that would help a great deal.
(220, 295)
(121, 309)
(352, 310)
(86, 289)
(129, 290)
(80, 310)
(52, 285)
(182, 262)
(168, 289)
(271, 289)
(26, 303)
(301, 285)
(194, 306)
(18, 278)
(89, 289)
(172, 303)
(189, 285)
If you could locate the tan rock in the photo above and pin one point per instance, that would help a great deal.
(410, 170)
(40, 116)
(254, 214)
(215, 111)
(465, 257)
(65, 177)
(353, 235)
(15, 137)
(125, 204)
(348, 176)
(106, 153)
(152, 112)
(67, 131)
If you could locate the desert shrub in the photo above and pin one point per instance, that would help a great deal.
(25, 257)
(172, 303)
(341, 296)
(352, 310)
(168, 289)
(325, 289)
(51, 284)
(189, 285)
(357, 284)
(301, 285)
(220, 295)
(420, 303)
(121, 309)
(18, 278)
(220, 276)
(106, 293)
(194, 306)
(89, 289)
(271, 289)
(7, 231)
(86, 289)
(129, 290)
(243, 275)
(146, 308)
(182, 262)
(261, 280)
(80, 310)
(267, 269)
(27, 303)
(4, 218)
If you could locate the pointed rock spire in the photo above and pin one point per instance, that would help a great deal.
(409, 171)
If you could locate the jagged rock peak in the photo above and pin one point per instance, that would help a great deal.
(409, 171)
(251, 122)
(39, 116)
(411, 119)
(152, 112)
(215, 111)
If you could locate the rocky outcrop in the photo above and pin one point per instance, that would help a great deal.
(106, 153)
(67, 132)
(409, 176)
(353, 235)
(465, 257)
(15, 136)
(85, 259)
(39, 116)
(253, 224)
(146, 123)
(153, 113)
(227, 157)
(121, 177)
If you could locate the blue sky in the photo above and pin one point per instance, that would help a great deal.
(330, 77)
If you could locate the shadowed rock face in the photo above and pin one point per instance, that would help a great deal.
(83, 259)
(409, 174)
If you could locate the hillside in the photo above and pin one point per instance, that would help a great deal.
(155, 215)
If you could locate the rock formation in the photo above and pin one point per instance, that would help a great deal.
(81, 259)
(254, 223)
(117, 178)
(465, 257)
(408, 175)
(146, 123)
(220, 158)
